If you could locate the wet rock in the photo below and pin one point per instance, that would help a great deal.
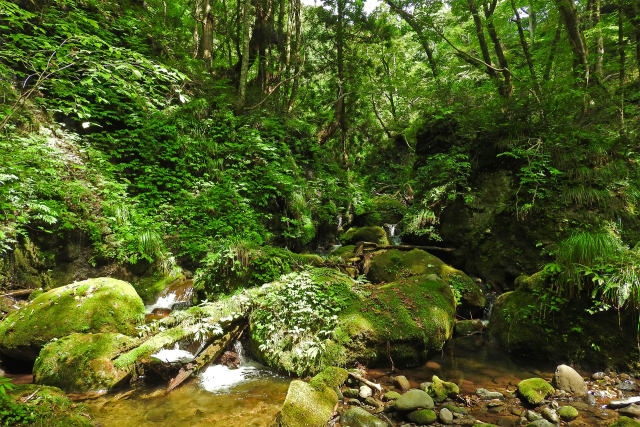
(624, 377)
(598, 376)
(351, 392)
(550, 415)
(456, 410)
(567, 413)
(402, 382)
(533, 416)
(365, 391)
(566, 378)
(307, 406)
(627, 385)
(630, 411)
(373, 234)
(373, 402)
(425, 386)
(441, 390)
(540, 423)
(465, 328)
(423, 416)
(414, 399)
(445, 415)
(390, 395)
(590, 399)
(534, 390)
(485, 394)
(614, 404)
(358, 417)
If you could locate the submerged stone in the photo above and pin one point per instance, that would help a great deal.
(94, 305)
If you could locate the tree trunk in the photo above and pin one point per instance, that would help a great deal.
(340, 103)
(595, 20)
(246, 38)
(196, 28)
(297, 5)
(525, 50)
(483, 42)
(206, 42)
(578, 43)
(507, 85)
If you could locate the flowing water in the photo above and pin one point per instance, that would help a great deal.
(393, 233)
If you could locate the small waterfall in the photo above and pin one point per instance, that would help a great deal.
(339, 220)
(393, 233)
(177, 295)
(488, 308)
(221, 379)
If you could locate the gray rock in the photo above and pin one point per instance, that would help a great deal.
(540, 423)
(358, 417)
(590, 399)
(445, 415)
(598, 376)
(632, 411)
(402, 382)
(485, 394)
(627, 385)
(566, 378)
(414, 399)
(550, 415)
(365, 391)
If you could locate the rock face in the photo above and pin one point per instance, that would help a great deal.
(82, 362)
(94, 305)
(373, 234)
(534, 390)
(406, 319)
(567, 379)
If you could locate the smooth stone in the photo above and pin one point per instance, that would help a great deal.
(533, 416)
(414, 399)
(550, 415)
(630, 411)
(485, 394)
(534, 390)
(365, 391)
(351, 392)
(598, 376)
(425, 385)
(373, 402)
(568, 413)
(541, 423)
(568, 379)
(627, 385)
(590, 399)
(423, 416)
(456, 409)
(614, 404)
(445, 415)
(358, 417)
(402, 382)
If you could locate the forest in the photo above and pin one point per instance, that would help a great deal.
(320, 213)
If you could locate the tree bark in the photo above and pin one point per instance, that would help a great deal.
(552, 52)
(578, 43)
(507, 85)
(206, 42)
(525, 50)
(244, 68)
(477, 21)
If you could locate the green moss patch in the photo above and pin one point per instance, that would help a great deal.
(305, 406)
(365, 234)
(534, 390)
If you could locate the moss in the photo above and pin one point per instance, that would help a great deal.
(345, 252)
(305, 406)
(536, 281)
(51, 407)
(441, 390)
(331, 377)
(384, 210)
(150, 287)
(82, 362)
(625, 422)
(423, 416)
(567, 413)
(365, 234)
(94, 305)
(534, 390)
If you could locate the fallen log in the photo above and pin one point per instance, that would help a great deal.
(19, 292)
(366, 381)
(211, 352)
(408, 248)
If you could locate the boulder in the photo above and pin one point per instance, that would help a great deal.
(358, 417)
(383, 210)
(391, 265)
(566, 378)
(402, 382)
(567, 413)
(414, 399)
(469, 327)
(534, 390)
(625, 422)
(373, 234)
(352, 322)
(446, 416)
(94, 305)
(82, 362)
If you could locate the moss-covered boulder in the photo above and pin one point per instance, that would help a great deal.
(568, 413)
(390, 265)
(540, 325)
(382, 210)
(441, 390)
(625, 422)
(358, 417)
(306, 405)
(94, 305)
(82, 362)
(423, 417)
(373, 234)
(321, 317)
(534, 390)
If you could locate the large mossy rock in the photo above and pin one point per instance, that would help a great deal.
(307, 405)
(94, 305)
(383, 210)
(373, 234)
(321, 317)
(534, 390)
(49, 406)
(82, 362)
(525, 324)
(390, 265)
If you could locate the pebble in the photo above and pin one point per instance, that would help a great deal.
(390, 395)
(598, 376)
(445, 416)
(402, 382)
(373, 402)
(365, 391)
(630, 411)
(541, 423)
